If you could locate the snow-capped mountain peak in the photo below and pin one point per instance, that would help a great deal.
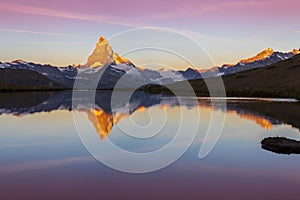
(260, 56)
(104, 55)
(296, 51)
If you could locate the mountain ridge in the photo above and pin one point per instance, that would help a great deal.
(279, 80)
(109, 67)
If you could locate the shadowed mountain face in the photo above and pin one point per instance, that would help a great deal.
(103, 116)
(21, 79)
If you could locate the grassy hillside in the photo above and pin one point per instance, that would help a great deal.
(19, 79)
(278, 80)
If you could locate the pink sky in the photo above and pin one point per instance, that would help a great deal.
(139, 13)
(29, 24)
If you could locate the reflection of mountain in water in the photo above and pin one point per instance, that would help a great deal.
(104, 116)
(100, 111)
(262, 121)
(267, 113)
(103, 121)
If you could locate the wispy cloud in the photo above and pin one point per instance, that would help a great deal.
(19, 8)
(229, 5)
(197, 35)
(178, 9)
(212, 7)
(43, 33)
(203, 37)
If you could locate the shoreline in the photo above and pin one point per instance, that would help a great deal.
(158, 89)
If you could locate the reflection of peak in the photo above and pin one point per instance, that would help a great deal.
(260, 56)
(259, 120)
(262, 121)
(104, 117)
(103, 55)
(103, 122)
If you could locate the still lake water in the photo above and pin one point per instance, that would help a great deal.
(43, 157)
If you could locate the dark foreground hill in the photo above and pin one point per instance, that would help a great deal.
(278, 80)
(20, 79)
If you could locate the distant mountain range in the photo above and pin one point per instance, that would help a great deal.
(280, 79)
(111, 67)
(264, 58)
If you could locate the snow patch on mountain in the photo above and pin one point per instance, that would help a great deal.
(174, 75)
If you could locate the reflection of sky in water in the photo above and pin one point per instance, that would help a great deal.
(46, 148)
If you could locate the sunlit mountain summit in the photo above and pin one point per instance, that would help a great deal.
(103, 55)
(260, 56)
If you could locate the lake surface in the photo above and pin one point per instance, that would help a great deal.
(43, 155)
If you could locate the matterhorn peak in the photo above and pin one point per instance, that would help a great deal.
(102, 39)
(103, 55)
